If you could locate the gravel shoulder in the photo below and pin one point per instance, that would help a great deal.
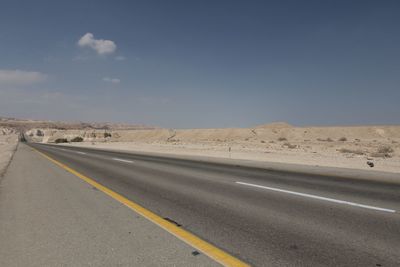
(8, 145)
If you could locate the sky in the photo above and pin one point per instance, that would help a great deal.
(201, 64)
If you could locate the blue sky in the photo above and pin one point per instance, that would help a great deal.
(201, 64)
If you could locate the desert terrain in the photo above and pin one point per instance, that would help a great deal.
(346, 146)
(8, 143)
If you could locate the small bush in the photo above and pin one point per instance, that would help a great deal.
(107, 135)
(325, 140)
(343, 139)
(77, 139)
(262, 141)
(282, 139)
(289, 145)
(385, 149)
(351, 151)
(61, 140)
(380, 155)
(39, 133)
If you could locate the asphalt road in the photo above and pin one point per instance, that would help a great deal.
(264, 217)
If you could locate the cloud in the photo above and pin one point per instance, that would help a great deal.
(20, 77)
(102, 47)
(120, 58)
(111, 80)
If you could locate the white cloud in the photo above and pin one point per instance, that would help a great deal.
(101, 46)
(20, 77)
(120, 58)
(111, 80)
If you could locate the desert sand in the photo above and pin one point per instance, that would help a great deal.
(347, 147)
(8, 143)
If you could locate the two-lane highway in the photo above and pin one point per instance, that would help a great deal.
(264, 217)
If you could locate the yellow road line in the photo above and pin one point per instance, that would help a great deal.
(208, 249)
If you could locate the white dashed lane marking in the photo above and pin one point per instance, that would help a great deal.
(122, 160)
(318, 197)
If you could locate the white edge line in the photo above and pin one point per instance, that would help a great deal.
(122, 160)
(82, 153)
(318, 197)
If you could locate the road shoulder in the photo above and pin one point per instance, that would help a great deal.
(50, 217)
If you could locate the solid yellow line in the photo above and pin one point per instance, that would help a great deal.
(208, 249)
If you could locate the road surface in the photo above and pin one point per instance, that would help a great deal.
(263, 217)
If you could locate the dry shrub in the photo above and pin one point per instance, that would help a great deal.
(289, 145)
(77, 139)
(385, 149)
(325, 140)
(282, 139)
(380, 155)
(39, 133)
(343, 139)
(351, 151)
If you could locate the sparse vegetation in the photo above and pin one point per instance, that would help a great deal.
(282, 139)
(77, 139)
(325, 140)
(289, 145)
(385, 149)
(351, 151)
(382, 152)
(39, 133)
(380, 155)
(107, 135)
(343, 139)
(262, 141)
(61, 140)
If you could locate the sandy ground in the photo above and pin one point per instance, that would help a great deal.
(8, 143)
(346, 147)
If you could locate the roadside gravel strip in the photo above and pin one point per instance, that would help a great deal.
(8, 145)
(49, 217)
